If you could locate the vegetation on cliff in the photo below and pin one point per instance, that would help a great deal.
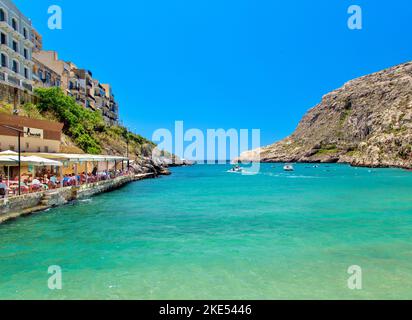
(84, 130)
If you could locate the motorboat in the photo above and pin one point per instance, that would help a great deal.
(236, 169)
(288, 167)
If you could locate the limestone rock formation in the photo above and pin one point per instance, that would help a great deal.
(367, 122)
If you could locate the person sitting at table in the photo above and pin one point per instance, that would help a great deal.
(91, 178)
(23, 187)
(86, 177)
(45, 183)
(36, 184)
(3, 189)
(66, 180)
(46, 179)
(72, 179)
(36, 181)
(53, 181)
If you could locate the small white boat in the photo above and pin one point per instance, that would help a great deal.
(236, 169)
(288, 167)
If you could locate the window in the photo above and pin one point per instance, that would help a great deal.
(26, 53)
(11, 148)
(15, 46)
(4, 60)
(2, 15)
(25, 33)
(15, 66)
(26, 73)
(14, 24)
(41, 74)
(3, 38)
(46, 149)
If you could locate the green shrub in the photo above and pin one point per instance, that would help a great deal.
(83, 126)
(79, 123)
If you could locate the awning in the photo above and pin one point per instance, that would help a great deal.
(79, 157)
(13, 161)
(7, 161)
(33, 160)
(8, 152)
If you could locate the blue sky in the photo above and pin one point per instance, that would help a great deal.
(239, 64)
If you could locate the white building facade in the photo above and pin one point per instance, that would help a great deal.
(16, 47)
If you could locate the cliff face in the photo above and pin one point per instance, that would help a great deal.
(367, 122)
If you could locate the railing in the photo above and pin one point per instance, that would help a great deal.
(27, 86)
(14, 80)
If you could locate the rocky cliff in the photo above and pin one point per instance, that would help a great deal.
(367, 122)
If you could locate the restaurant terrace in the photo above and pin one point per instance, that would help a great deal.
(45, 171)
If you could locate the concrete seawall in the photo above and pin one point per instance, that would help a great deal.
(15, 207)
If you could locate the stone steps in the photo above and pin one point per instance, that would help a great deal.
(46, 199)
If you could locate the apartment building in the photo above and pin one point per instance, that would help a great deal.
(37, 40)
(44, 76)
(78, 83)
(110, 109)
(16, 47)
(81, 87)
(93, 95)
(60, 72)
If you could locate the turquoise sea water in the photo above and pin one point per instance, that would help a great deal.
(203, 233)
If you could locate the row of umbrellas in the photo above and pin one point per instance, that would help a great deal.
(11, 158)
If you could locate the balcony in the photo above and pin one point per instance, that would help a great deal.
(16, 55)
(7, 49)
(27, 62)
(14, 80)
(6, 27)
(18, 35)
(91, 105)
(28, 43)
(89, 96)
(9, 29)
(13, 74)
(27, 86)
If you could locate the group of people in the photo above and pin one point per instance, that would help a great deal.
(90, 177)
(47, 180)
(28, 184)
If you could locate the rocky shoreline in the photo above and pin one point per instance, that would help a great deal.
(365, 123)
(157, 166)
